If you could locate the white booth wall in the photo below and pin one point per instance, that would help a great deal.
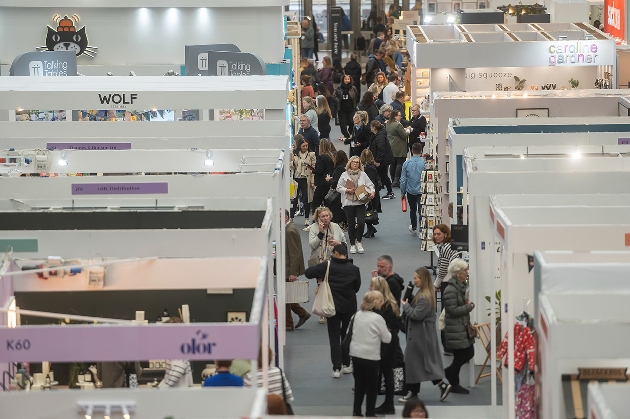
(147, 34)
(608, 400)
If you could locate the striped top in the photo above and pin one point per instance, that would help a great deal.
(275, 382)
(178, 374)
(446, 256)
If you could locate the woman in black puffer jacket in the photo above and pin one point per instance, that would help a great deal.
(383, 156)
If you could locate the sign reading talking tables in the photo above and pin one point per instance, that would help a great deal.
(197, 57)
(221, 63)
(45, 64)
(119, 188)
(614, 18)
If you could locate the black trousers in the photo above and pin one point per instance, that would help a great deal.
(365, 382)
(319, 195)
(302, 183)
(386, 365)
(382, 173)
(415, 387)
(460, 357)
(345, 122)
(443, 286)
(355, 214)
(415, 209)
(396, 167)
(337, 328)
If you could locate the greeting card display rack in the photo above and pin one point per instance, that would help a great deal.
(430, 215)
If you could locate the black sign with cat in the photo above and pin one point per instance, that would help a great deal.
(67, 38)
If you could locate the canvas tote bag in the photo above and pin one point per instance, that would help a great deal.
(324, 305)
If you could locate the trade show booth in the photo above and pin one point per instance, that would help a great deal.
(517, 234)
(608, 400)
(531, 105)
(487, 132)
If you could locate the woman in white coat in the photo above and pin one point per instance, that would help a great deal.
(353, 178)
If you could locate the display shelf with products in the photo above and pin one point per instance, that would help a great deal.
(430, 216)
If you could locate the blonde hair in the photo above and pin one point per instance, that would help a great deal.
(322, 105)
(427, 290)
(327, 147)
(309, 101)
(371, 299)
(366, 157)
(319, 210)
(380, 284)
(363, 116)
(351, 159)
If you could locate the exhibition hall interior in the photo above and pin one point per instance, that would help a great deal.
(342, 208)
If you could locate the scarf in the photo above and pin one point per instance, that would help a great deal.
(354, 177)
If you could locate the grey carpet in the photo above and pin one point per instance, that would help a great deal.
(307, 353)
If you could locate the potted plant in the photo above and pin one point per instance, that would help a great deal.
(497, 308)
(574, 83)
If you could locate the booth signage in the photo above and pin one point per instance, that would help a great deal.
(117, 99)
(615, 16)
(119, 188)
(44, 64)
(222, 63)
(88, 146)
(67, 38)
(575, 53)
(196, 57)
(622, 141)
(79, 343)
(335, 25)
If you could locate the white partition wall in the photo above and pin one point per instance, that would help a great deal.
(608, 401)
(521, 231)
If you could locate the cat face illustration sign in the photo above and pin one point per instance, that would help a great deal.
(67, 38)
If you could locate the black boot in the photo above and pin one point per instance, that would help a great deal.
(385, 409)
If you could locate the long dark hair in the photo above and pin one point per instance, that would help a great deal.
(323, 90)
(341, 158)
(392, 116)
(337, 64)
(299, 140)
(367, 100)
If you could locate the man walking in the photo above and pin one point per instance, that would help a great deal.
(410, 184)
(345, 281)
(294, 263)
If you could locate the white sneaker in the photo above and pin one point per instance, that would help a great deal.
(322, 320)
(347, 370)
(413, 232)
(360, 248)
(353, 249)
(307, 222)
(336, 374)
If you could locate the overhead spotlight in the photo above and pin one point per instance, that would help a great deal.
(450, 19)
(125, 412)
(524, 94)
(88, 412)
(108, 412)
(494, 96)
(428, 19)
(63, 161)
(522, 156)
(209, 161)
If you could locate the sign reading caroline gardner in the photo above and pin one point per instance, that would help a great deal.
(577, 53)
(614, 18)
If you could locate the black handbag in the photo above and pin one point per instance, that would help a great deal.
(331, 197)
(371, 216)
(345, 344)
(284, 396)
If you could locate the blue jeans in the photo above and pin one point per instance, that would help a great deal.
(307, 52)
(415, 209)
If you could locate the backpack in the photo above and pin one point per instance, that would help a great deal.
(360, 43)
(336, 76)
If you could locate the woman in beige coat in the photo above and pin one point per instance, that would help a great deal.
(302, 164)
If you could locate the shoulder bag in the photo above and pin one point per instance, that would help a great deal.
(345, 344)
(442, 320)
(371, 215)
(331, 197)
(284, 395)
(472, 331)
(324, 305)
(321, 255)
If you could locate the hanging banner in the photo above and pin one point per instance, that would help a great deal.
(335, 31)
(614, 18)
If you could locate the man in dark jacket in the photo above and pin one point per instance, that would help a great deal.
(311, 71)
(383, 116)
(345, 281)
(372, 66)
(398, 104)
(310, 135)
(353, 69)
(418, 124)
(383, 157)
(294, 266)
(385, 269)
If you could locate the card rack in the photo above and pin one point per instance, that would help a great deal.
(430, 215)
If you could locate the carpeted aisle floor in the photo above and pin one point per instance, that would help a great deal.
(307, 354)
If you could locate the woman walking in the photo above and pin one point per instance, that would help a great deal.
(367, 160)
(458, 308)
(339, 216)
(326, 73)
(368, 332)
(423, 361)
(361, 134)
(322, 172)
(302, 168)
(391, 314)
(397, 137)
(442, 240)
(323, 117)
(350, 180)
(383, 157)
(347, 95)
